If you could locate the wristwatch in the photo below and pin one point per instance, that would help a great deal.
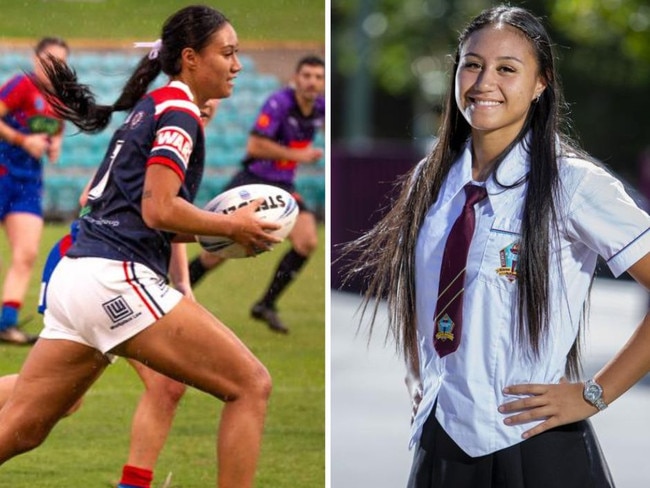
(593, 393)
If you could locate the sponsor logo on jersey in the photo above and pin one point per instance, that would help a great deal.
(176, 140)
(119, 311)
(39, 103)
(263, 121)
(42, 124)
(135, 119)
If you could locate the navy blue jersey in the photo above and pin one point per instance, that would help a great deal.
(163, 128)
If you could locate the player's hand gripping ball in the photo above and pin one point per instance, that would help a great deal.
(278, 207)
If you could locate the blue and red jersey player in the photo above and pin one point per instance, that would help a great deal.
(56, 253)
(27, 113)
(29, 130)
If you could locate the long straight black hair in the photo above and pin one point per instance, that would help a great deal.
(191, 27)
(385, 255)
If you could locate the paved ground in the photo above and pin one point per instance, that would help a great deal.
(370, 409)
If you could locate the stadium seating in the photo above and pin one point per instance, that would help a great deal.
(106, 72)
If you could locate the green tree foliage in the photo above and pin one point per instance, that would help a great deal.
(610, 38)
(405, 42)
(603, 49)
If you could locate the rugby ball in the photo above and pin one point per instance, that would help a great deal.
(278, 207)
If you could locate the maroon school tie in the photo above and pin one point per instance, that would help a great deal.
(448, 318)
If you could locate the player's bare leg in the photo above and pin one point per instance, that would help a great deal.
(52, 380)
(304, 241)
(153, 416)
(202, 264)
(304, 235)
(7, 384)
(24, 234)
(191, 345)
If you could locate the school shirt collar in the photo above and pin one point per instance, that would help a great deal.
(513, 168)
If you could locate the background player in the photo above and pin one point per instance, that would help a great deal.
(29, 130)
(156, 409)
(280, 140)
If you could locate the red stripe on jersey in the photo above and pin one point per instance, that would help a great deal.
(170, 93)
(125, 266)
(65, 244)
(166, 162)
(288, 163)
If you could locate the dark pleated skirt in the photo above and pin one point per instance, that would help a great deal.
(565, 457)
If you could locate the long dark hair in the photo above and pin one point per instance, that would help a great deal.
(386, 254)
(189, 27)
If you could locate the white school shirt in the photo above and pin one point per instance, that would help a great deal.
(597, 217)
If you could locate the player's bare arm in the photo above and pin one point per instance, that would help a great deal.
(264, 148)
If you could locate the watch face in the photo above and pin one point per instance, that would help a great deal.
(592, 392)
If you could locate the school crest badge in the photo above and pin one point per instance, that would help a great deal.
(445, 327)
(509, 257)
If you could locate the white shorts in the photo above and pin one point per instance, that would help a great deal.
(102, 302)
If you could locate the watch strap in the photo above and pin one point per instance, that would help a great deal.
(600, 404)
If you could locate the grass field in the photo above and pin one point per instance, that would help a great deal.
(271, 20)
(89, 448)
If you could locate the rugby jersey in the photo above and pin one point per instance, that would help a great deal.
(29, 113)
(163, 128)
(281, 120)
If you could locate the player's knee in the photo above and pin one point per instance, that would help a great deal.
(164, 392)
(306, 246)
(209, 260)
(307, 249)
(29, 438)
(256, 385)
(312, 244)
(172, 392)
(260, 384)
(75, 407)
(25, 258)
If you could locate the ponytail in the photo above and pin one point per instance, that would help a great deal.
(192, 27)
(75, 101)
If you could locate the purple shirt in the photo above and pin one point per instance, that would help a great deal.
(281, 120)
